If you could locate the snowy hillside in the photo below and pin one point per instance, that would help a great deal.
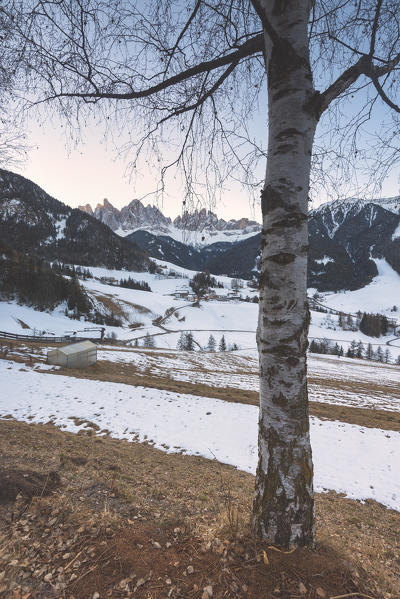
(164, 316)
(179, 422)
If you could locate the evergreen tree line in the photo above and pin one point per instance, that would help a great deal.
(201, 283)
(356, 349)
(130, 283)
(373, 325)
(71, 271)
(252, 300)
(33, 282)
(186, 342)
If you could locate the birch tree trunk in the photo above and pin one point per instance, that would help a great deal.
(283, 510)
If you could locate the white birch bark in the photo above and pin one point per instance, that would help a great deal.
(283, 510)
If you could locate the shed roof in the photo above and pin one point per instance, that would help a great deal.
(76, 348)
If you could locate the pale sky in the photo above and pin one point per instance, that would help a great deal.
(92, 172)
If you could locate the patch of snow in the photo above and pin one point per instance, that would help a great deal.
(357, 461)
(60, 227)
(197, 238)
(379, 296)
(396, 233)
(324, 260)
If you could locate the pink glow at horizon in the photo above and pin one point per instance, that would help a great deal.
(91, 172)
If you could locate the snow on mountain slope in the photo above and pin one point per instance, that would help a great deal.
(379, 296)
(24, 320)
(236, 319)
(215, 315)
(195, 238)
(340, 209)
(199, 228)
(364, 464)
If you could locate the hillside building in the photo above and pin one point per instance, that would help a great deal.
(76, 355)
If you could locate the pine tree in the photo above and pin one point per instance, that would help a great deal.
(379, 354)
(398, 359)
(222, 344)
(212, 344)
(181, 345)
(189, 341)
(352, 350)
(370, 352)
(387, 356)
(148, 341)
(360, 350)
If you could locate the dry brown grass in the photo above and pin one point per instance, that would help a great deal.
(112, 305)
(116, 498)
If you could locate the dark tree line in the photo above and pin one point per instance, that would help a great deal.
(33, 282)
(324, 346)
(130, 283)
(201, 283)
(374, 325)
(71, 271)
(356, 349)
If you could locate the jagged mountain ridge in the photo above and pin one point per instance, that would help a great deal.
(198, 228)
(34, 223)
(345, 236)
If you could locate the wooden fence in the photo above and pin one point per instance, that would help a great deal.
(43, 338)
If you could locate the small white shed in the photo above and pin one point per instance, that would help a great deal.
(76, 355)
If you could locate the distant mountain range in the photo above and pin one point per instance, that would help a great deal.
(34, 223)
(199, 228)
(345, 236)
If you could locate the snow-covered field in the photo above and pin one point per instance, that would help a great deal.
(237, 320)
(337, 381)
(360, 462)
(357, 461)
(379, 296)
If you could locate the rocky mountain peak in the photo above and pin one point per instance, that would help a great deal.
(200, 220)
(86, 208)
(135, 216)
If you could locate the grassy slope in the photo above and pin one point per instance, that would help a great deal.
(117, 499)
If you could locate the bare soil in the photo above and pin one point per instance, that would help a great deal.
(26, 483)
(130, 521)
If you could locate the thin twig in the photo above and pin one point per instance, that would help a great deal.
(352, 595)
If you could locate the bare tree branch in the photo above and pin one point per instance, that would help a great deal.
(382, 92)
(248, 48)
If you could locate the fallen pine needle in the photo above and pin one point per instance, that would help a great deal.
(352, 595)
(72, 561)
(280, 550)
